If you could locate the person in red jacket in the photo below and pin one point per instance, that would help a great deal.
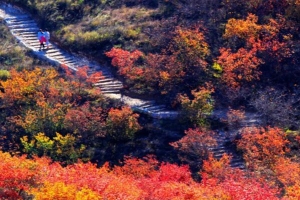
(42, 38)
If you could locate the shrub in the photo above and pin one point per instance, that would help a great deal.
(196, 110)
(122, 124)
(4, 75)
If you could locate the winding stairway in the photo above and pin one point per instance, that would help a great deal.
(226, 141)
(25, 29)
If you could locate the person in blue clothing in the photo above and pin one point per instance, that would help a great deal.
(47, 36)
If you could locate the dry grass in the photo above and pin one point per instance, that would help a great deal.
(124, 24)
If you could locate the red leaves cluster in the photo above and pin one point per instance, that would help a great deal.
(86, 119)
(126, 62)
(185, 56)
(262, 44)
(239, 67)
(137, 179)
(232, 183)
(196, 142)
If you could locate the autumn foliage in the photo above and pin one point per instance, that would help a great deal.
(184, 57)
(199, 107)
(195, 144)
(43, 180)
(195, 56)
(64, 118)
(239, 67)
(122, 123)
(126, 62)
(263, 146)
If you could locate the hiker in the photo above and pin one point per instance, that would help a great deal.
(41, 38)
(47, 36)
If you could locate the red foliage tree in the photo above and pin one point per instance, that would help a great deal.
(126, 62)
(194, 146)
(239, 67)
(86, 120)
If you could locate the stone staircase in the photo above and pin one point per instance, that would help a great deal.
(25, 29)
(226, 144)
(226, 141)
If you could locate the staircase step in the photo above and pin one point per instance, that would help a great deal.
(112, 83)
(13, 22)
(23, 25)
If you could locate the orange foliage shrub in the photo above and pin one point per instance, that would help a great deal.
(262, 147)
(190, 47)
(239, 67)
(243, 28)
(219, 169)
(49, 96)
(164, 71)
(264, 40)
(27, 86)
(122, 123)
(196, 142)
(224, 182)
(292, 192)
(137, 168)
(287, 172)
(86, 120)
(184, 57)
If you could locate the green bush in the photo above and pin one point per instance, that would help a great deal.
(4, 74)
(60, 148)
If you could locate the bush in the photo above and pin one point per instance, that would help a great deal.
(4, 75)
(122, 124)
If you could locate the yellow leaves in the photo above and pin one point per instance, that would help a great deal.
(28, 146)
(217, 70)
(164, 77)
(200, 106)
(190, 46)
(64, 140)
(40, 143)
(193, 39)
(293, 192)
(43, 142)
(242, 28)
(62, 191)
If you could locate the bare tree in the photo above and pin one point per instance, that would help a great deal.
(277, 107)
